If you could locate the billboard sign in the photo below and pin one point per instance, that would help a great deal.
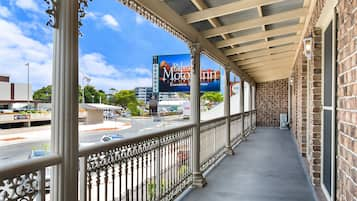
(172, 73)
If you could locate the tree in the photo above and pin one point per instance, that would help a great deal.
(124, 97)
(44, 94)
(93, 96)
(215, 97)
(127, 99)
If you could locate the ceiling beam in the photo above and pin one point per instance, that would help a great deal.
(226, 9)
(260, 35)
(261, 45)
(260, 12)
(261, 79)
(312, 6)
(163, 11)
(284, 16)
(259, 53)
(272, 73)
(201, 5)
(266, 68)
(266, 58)
(280, 62)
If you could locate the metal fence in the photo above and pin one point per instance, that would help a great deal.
(156, 166)
(212, 141)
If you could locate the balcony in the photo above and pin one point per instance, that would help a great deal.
(130, 169)
(265, 167)
(297, 57)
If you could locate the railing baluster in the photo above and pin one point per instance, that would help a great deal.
(42, 185)
(98, 184)
(120, 180)
(106, 184)
(83, 178)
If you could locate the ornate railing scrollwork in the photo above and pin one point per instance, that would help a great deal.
(24, 187)
(52, 13)
(82, 5)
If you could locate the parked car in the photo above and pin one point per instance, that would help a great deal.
(108, 138)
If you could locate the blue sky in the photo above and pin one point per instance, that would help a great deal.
(115, 51)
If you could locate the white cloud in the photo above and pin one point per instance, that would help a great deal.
(4, 11)
(139, 19)
(27, 5)
(16, 49)
(142, 71)
(94, 64)
(110, 21)
(106, 76)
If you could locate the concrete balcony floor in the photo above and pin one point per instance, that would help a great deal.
(266, 167)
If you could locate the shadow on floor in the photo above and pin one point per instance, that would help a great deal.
(265, 168)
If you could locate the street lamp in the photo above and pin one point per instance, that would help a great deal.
(28, 85)
(85, 79)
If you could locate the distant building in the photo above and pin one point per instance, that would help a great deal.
(168, 96)
(13, 93)
(143, 94)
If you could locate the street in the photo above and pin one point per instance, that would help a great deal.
(139, 126)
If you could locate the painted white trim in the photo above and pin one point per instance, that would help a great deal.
(326, 13)
(327, 16)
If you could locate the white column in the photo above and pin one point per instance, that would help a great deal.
(227, 112)
(65, 102)
(198, 179)
(241, 97)
(250, 106)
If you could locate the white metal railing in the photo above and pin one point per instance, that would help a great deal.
(150, 167)
(212, 141)
(236, 128)
(26, 180)
(156, 166)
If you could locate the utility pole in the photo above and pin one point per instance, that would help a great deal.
(28, 93)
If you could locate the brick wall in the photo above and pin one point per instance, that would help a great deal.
(271, 100)
(308, 133)
(347, 100)
(301, 102)
(314, 107)
(346, 114)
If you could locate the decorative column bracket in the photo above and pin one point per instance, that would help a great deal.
(195, 50)
(53, 14)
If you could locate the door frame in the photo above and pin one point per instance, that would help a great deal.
(327, 16)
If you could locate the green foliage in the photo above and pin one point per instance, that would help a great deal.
(92, 95)
(182, 170)
(133, 108)
(124, 97)
(44, 94)
(215, 97)
(127, 98)
(151, 188)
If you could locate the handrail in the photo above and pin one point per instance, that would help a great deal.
(203, 123)
(23, 167)
(92, 149)
(236, 115)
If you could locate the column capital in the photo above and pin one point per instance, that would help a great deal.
(228, 69)
(195, 48)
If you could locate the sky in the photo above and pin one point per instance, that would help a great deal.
(116, 48)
